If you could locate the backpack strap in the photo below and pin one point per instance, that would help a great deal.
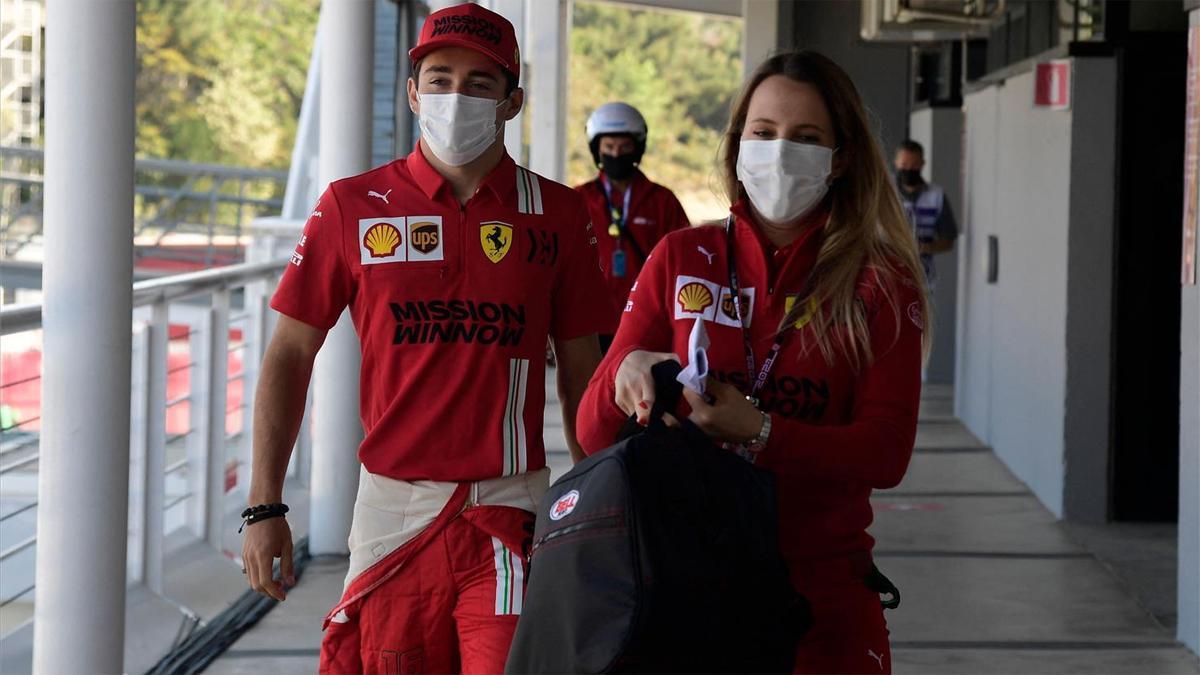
(877, 582)
(668, 390)
(667, 393)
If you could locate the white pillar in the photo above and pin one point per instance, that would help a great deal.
(515, 12)
(548, 36)
(1188, 586)
(83, 482)
(760, 32)
(438, 5)
(347, 50)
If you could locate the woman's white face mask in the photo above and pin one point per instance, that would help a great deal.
(783, 179)
(458, 128)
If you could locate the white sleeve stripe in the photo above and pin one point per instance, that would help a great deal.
(537, 194)
(521, 191)
(516, 459)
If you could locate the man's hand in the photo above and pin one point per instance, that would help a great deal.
(278, 407)
(264, 541)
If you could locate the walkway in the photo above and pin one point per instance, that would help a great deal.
(991, 582)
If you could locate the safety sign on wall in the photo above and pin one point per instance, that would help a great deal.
(1052, 87)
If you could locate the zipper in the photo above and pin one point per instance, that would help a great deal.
(462, 238)
(607, 521)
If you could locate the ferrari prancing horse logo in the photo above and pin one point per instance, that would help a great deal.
(496, 239)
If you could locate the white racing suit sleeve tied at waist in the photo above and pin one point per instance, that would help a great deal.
(388, 513)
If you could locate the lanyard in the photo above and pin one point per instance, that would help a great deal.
(736, 297)
(616, 218)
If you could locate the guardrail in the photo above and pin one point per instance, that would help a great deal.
(209, 203)
(198, 339)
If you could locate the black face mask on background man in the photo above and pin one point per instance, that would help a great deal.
(909, 178)
(620, 167)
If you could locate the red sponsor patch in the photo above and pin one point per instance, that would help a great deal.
(564, 505)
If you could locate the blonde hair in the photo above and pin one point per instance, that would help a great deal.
(867, 228)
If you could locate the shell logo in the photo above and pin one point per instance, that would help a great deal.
(695, 297)
(382, 240)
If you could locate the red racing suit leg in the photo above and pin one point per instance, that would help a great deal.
(849, 633)
(452, 606)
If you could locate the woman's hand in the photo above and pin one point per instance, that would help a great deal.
(635, 385)
(724, 413)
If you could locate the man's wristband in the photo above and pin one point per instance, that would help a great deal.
(262, 512)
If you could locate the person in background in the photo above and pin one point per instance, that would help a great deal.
(629, 211)
(925, 204)
(813, 300)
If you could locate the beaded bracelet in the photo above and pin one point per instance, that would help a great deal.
(262, 512)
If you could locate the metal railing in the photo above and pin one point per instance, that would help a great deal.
(198, 339)
(184, 211)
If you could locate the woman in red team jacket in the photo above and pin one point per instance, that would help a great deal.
(811, 296)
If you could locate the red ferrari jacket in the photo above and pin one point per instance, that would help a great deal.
(653, 212)
(836, 433)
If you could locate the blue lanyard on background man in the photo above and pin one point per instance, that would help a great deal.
(616, 218)
(617, 227)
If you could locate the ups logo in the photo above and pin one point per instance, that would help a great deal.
(729, 308)
(424, 237)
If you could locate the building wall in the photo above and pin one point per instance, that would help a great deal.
(1018, 168)
(1189, 460)
(1189, 473)
(940, 131)
(1032, 376)
(880, 71)
(1089, 319)
(21, 71)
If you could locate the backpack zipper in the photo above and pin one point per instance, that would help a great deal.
(606, 521)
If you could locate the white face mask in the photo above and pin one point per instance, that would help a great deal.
(458, 128)
(783, 179)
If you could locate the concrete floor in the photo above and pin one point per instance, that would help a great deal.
(991, 582)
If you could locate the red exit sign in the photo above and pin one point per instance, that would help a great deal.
(1052, 88)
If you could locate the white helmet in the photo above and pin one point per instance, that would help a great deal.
(616, 118)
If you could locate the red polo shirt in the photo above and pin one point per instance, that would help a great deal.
(453, 305)
(836, 433)
(653, 212)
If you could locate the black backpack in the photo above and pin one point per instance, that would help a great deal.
(659, 554)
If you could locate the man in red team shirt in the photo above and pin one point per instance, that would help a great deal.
(456, 265)
(631, 213)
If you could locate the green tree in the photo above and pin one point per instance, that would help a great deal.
(222, 80)
(680, 70)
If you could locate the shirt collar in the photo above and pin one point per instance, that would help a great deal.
(501, 181)
(814, 227)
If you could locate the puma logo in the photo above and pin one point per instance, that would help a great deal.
(706, 253)
(384, 196)
(878, 657)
